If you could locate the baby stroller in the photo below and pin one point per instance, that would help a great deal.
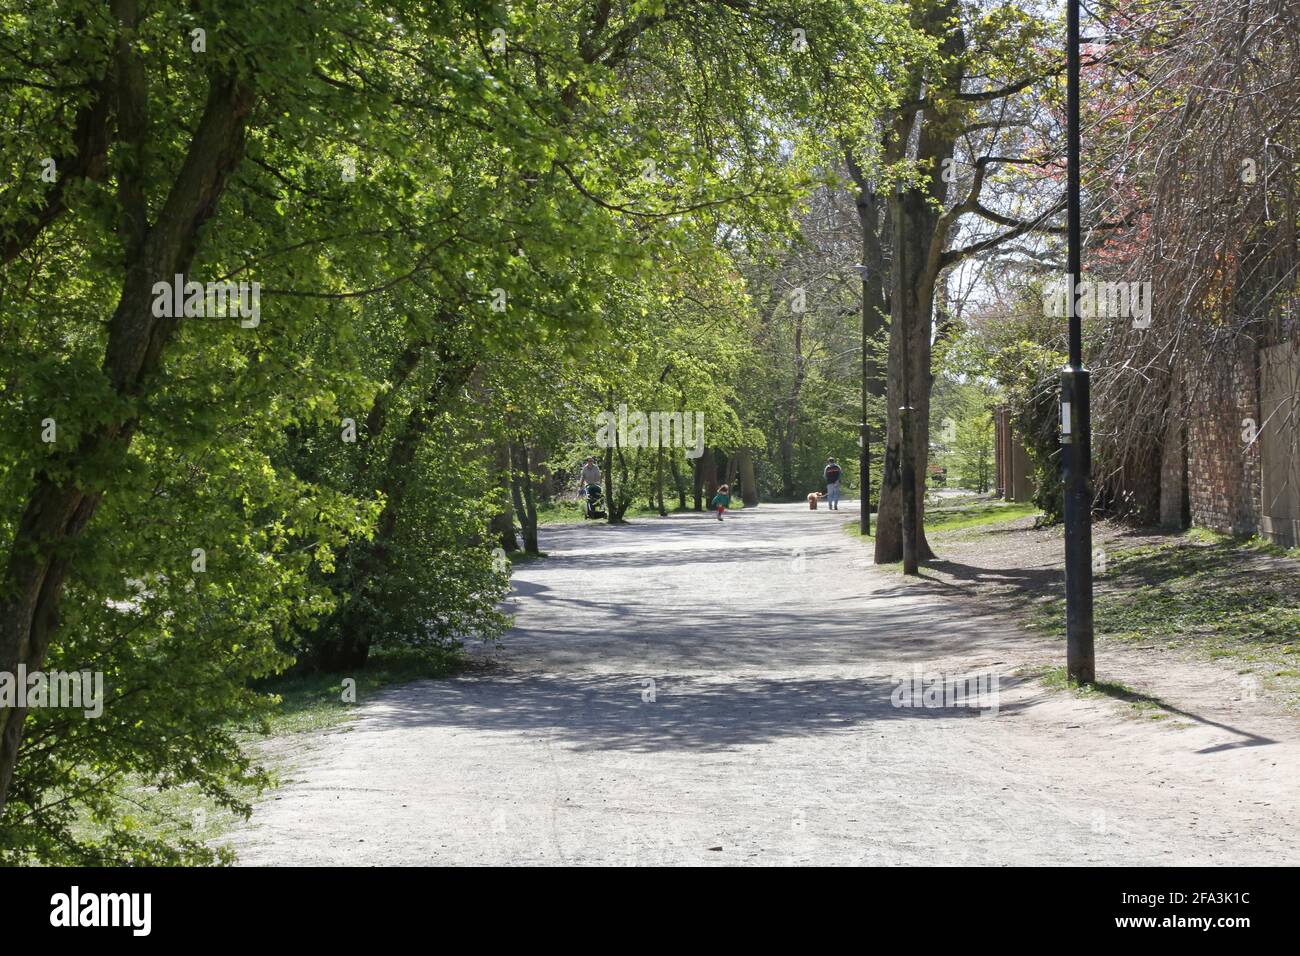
(594, 502)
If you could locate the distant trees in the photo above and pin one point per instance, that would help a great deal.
(803, 392)
(962, 439)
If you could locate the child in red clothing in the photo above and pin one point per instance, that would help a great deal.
(722, 499)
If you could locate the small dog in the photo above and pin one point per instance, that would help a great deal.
(813, 498)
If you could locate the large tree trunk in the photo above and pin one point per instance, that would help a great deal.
(919, 234)
(530, 506)
(609, 468)
(614, 508)
(91, 138)
(710, 475)
(714, 475)
(786, 447)
(62, 500)
(911, 301)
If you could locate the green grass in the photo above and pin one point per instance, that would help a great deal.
(934, 501)
(977, 514)
(1182, 589)
(551, 512)
(854, 530)
(1256, 544)
(1143, 705)
(1223, 598)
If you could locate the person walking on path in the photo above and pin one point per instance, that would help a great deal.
(832, 476)
(590, 474)
(722, 500)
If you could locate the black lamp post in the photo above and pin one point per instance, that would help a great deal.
(1076, 434)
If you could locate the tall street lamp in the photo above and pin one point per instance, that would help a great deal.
(1076, 434)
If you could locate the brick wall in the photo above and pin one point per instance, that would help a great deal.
(1014, 479)
(1223, 469)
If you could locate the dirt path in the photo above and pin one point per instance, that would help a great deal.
(771, 737)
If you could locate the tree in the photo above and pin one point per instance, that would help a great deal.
(187, 152)
(960, 109)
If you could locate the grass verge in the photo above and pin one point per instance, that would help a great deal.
(1142, 705)
(977, 514)
(955, 518)
(1222, 598)
(854, 530)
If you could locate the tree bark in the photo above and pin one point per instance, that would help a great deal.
(791, 423)
(913, 284)
(89, 160)
(614, 511)
(919, 235)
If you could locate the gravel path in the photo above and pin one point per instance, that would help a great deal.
(768, 735)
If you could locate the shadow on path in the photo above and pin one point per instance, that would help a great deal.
(608, 712)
